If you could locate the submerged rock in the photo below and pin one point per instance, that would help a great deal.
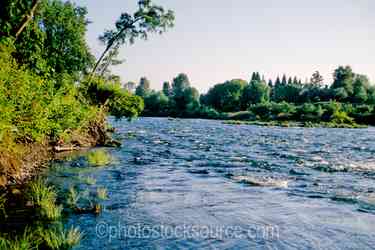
(261, 182)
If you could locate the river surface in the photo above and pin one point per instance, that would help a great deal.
(182, 184)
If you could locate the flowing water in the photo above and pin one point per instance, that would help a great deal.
(199, 184)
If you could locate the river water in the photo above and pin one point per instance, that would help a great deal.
(183, 184)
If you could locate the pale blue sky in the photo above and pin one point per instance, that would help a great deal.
(218, 40)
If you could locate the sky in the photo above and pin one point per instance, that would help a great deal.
(218, 40)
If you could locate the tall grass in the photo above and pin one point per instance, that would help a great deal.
(44, 199)
(99, 158)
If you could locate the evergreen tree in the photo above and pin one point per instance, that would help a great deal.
(290, 81)
(284, 81)
(143, 88)
(278, 82)
(270, 83)
(317, 79)
(167, 90)
(295, 81)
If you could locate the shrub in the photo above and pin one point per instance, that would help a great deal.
(309, 112)
(119, 101)
(33, 108)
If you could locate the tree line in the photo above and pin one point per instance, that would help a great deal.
(182, 100)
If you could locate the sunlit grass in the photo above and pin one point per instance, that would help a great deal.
(59, 238)
(44, 199)
(99, 158)
(102, 193)
(88, 180)
(72, 197)
(26, 241)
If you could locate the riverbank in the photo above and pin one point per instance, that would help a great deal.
(288, 124)
(28, 194)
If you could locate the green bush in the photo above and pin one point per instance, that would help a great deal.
(32, 108)
(119, 101)
(273, 111)
(309, 112)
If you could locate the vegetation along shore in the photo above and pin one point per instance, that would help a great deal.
(54, 97)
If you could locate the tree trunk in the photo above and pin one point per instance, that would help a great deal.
(27, 18)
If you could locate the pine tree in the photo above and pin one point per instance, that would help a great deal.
(270, 84)
(167, 89)
(290, 81)
(295, 80)
(278, 82)
(284, 81)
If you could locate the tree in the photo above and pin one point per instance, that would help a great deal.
(149, 18)
(156, 104)
(167, 90)
(53, 41)
(317, 79)
(111, 59)
(27, 18)
(277, 82)
(284, 81)
(182, 93)
(270, 83)
(226, 96)
(143, 88)
(340, 94)
(343, 78)
(360, 86)
(255, 92)
(130, 86)
(295, 81)
(290, 81)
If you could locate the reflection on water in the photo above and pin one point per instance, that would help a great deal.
(197, 184)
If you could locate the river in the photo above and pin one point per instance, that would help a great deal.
(184, 184)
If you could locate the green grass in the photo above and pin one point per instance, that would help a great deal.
(102, 193)
(88, 180)
(72, 197)
(43, 198)
(59, 238)
(99, 158)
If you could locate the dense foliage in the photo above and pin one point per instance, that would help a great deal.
(350, 98)
(50, 90)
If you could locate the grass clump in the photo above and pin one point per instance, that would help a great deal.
(88, 180)
(59, 238)
(43, 198)
(99, 158)
(102, 193)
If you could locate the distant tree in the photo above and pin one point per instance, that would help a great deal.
(360, 86)
(167, 90)
(156, 104)
(143, 88)
(255, 92)
(290, 81)
(226, 96)
(148, 18)
(183, 95)
(343, 78)
(295, 81)
(317, 79)
(130, 86)
(270, 83)
(340, 94)
(284, 81)
(277, 82)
